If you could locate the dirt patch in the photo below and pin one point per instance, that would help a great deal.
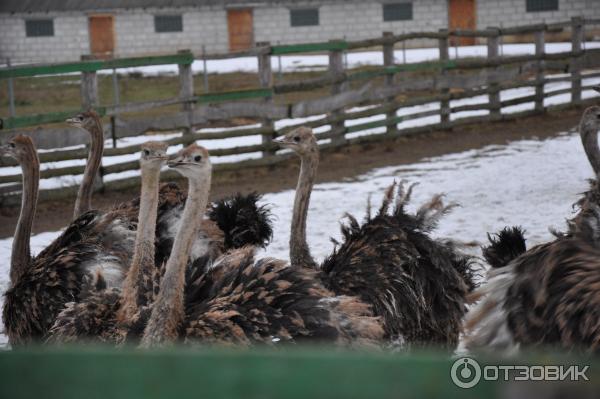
(335, 165)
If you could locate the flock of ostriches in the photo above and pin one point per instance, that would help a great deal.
(168, 267)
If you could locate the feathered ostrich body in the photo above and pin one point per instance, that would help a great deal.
(550, 294)
(416, 284)
(237, 301)
(94, 244)
(97, 247)
(106, 315)
(246, 302)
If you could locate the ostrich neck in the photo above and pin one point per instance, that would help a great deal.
(299, 251)
(83, 203)
(21, 253)
(137, 287)
(168, 310)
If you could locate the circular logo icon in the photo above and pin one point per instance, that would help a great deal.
(465, 372)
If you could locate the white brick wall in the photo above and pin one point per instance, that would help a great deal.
(513, 12)
(135, 33)
(70, 39)
(350, 19)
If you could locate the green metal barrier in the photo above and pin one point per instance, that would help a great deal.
(303, 374)
(308, 47)
(94, 65)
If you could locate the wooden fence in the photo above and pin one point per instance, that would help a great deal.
(380, 87)
(291, 373)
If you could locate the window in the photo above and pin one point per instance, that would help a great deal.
(39, 27)
(397, 12)
(168, 23)
(304, 17)
(542, 5)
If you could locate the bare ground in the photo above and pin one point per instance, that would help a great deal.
(335, 165)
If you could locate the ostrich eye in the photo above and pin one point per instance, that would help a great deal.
(11, 145)
(146, 152)
(198, 158)
(297, 139)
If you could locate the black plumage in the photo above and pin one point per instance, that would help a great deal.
(505, 246)
(242, 220)
(418, 285)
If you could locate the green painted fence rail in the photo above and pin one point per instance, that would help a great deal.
(94, 65)
(336, 45)
(40, 119)
(261, 374)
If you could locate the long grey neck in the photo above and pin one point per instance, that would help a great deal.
(138, 284)
(299, 252)
(83, 203)
(589, 139)
(168, 310)
(21, 252)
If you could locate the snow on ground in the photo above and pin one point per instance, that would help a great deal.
(531, 183)
(319, 62)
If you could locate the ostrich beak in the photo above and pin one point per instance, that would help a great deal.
(597, 88)
(173, 163)
(282, 141)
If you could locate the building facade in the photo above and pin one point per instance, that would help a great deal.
(64, 30)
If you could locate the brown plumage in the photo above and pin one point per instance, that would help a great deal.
(550, 295)
(68, 268)
(417, 285)
(245, 302)
(107, 314)
(97, 318)
(242, 301)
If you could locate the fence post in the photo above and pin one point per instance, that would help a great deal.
(116, 102)
(11, 93)
(388, 61)
(576, 40)
(336, 69)
(539, 77)
(186, 91)
(265, 77)
(89, 86)
(494, 93)
(444, 57)
(204, 69)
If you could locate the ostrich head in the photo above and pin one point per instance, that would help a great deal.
(87, 120)
(590, 121)
(192, 162)
(20, 148)
(301, 140)
(154, 154)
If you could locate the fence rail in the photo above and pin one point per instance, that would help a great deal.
(291, 373)
(457, 79)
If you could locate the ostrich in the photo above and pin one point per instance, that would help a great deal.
(240, 301)
(549, 294)
(94, 244)
(89, 121)
(107, 315)
(417, 285)
(588, 130)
